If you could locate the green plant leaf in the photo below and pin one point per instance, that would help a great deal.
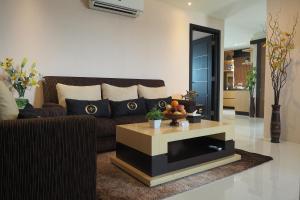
(251, 80)
(154, 114)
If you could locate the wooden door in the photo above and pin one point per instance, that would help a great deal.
(202, 73)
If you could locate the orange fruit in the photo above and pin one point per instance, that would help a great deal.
(174, 104)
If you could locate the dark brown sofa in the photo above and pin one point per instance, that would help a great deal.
(52, 157)
(105, 127)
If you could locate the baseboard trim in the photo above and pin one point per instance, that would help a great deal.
(242, 113)
(228, 107)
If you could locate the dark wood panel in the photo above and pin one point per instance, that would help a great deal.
(260, 82)
(240, 71)
(181, 154)
(260, 90)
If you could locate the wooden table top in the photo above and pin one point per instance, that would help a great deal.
(144, 128)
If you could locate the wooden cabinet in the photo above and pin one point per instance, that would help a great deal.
(229, 103)
(242, 105)
(229, 98)
(238, 100)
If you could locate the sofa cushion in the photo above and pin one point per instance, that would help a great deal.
(130, 119)
(100, 108)
(8, 106)
(92, 93)
(51, 110)
(114, 93)
(105, 127)
(158, 103)
(152, 92)
(128, 107)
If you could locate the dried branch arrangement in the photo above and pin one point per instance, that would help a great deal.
(279, 46)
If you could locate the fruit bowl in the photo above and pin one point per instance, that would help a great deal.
(174, 118)
(174, 111)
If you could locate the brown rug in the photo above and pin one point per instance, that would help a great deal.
(113, 183)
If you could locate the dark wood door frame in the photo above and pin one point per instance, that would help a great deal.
(216, 66)
(259, 43)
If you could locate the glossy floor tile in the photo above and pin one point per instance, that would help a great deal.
(275, 180)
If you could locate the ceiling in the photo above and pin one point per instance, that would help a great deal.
(243, 18)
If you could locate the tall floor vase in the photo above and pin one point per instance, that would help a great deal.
(275, 124)
(252, 107)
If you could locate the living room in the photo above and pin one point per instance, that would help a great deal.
(76, 127)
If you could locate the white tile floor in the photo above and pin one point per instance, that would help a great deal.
(275, 180)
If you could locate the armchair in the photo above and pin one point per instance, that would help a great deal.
(48, 158)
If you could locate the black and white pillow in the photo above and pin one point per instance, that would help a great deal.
(128, 107)
(158, 103)
(100, 108)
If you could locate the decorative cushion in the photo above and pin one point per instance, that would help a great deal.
(114, 93)
(100, 108)
(158, 103)
(91, 93)
(152, 92)
(28, 112)
(128, 107)
(8, 106)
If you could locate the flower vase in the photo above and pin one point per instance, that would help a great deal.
(21, 101)
(155, 123)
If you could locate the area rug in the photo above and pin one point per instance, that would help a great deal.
(114, 184)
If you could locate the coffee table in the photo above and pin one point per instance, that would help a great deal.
(157, 156)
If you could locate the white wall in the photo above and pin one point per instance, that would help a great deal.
(290, 97)
(66, 38)
(243, 21)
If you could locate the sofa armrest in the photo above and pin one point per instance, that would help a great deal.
(48, 158)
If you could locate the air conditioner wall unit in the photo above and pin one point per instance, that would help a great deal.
(131, 8)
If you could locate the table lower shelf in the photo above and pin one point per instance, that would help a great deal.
(171, 176)
(181, 154)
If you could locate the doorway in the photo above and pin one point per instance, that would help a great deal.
(205, 69)
(237, 65)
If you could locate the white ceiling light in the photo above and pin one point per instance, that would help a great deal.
(189, 3)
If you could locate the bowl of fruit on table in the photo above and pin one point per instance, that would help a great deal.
(175, 111)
